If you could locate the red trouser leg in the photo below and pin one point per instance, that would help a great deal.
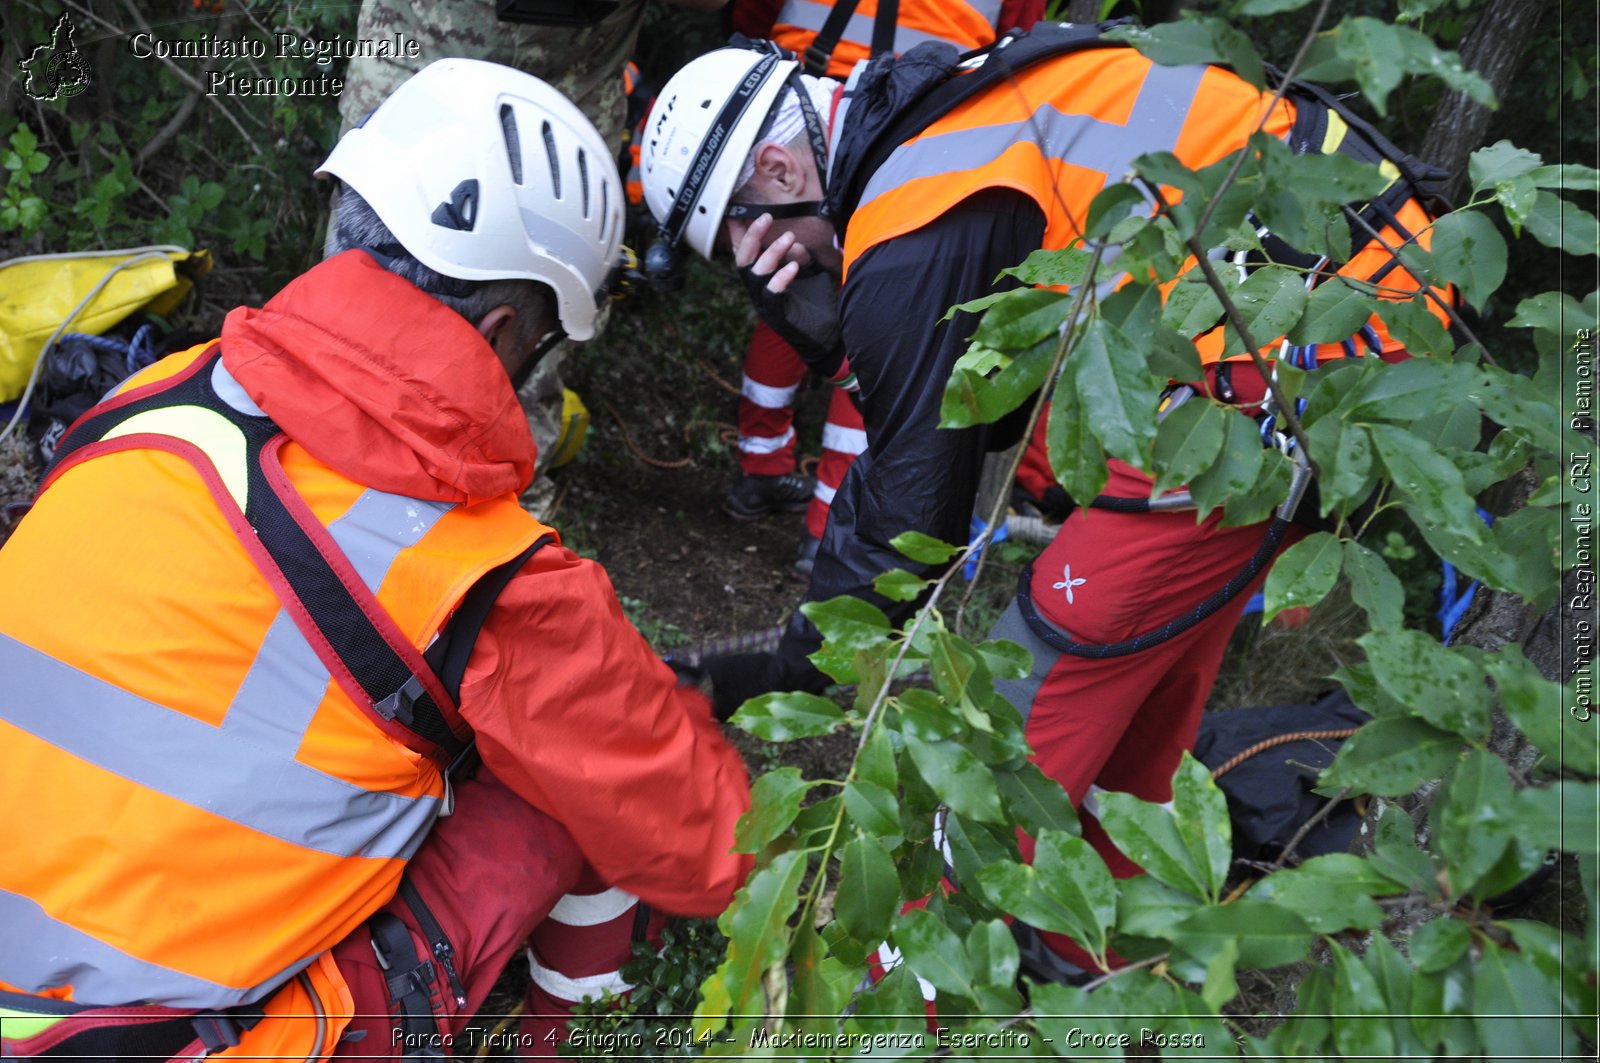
(843, 437)
(772, 374)
(489, 874)
(1034, 474)
(1122, 723)
(577, 954)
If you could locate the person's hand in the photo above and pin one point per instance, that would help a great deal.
(736, 678)
(778, 263)
(791, 293)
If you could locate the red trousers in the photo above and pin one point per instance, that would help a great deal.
(499, 876)
(1122, 723)
(773, 373)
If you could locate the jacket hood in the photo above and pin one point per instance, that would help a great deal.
(880, 93)
(382, 383)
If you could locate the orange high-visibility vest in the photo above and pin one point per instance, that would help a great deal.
(1062, 129)
(209, 809)
(966, 24)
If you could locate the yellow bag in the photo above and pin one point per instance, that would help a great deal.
(96, 289)
(574, 429)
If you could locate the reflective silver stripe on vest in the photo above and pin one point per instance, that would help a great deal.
(810, 15)
(1154, 123)
(208, 767)
(286, 682)
(38, 952)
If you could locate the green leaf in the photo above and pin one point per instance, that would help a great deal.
(1360, 1010)
(1235, 469)
(1187, 441)
(1562, 815)
(993, 960)
(970, 398)
(958, 777)
(1073, 875)
(1517, 402)
(1304, 573)
(1395, 854)
(1147, 908)
(1378, 55)
(1515, 1005)
(756, 926)
(1035, 802)
(1334, 312)
(923, 548)
(875, 763)
(1265, 495)
(1408, 391)
(1470, 251)
(934, 952)
(1500, 162)
(1117, 391)
(1374, 587)
(1061, 267)
(873, 809)
(1561, 224)
(1567, 177)
(1197, 40)
(1266, 934)
(1074, 450)
(1185, 843)
(1192, 307)
(1393, 756)
(1413, 323)
(849, 624)
(1220, 985)
(869, 889)
(1005, 660)
(1270, 7)
(1112, 205)
(1433, 485)
(774, 801)
(1439, 944)
(24, 140)
(1269, 302)
(1538, 707)
(1022, 320)
(1328, 893)
(1066, 1015)
(782, 716)
(1470, 828)
(898, 585)
(1438, 684)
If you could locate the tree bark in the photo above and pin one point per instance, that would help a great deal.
(1494, 47)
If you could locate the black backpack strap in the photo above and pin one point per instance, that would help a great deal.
(450, 652)
(883, 27)
(820, 50)
(410, 980)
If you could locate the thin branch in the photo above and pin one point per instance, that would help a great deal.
(1307, 827)
(177, 70)
(1288, 77)
(1068, 334)
(1427, 289)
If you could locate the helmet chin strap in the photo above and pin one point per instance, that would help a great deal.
(811, 208)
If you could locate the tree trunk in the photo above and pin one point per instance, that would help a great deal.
(1494, 47)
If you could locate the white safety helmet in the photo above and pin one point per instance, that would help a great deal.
(702, 126)
(483, 172)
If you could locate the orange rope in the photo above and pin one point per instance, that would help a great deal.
(1266, 744)
(721, 383)
(681, 463)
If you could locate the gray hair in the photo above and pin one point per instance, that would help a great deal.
(357, 225)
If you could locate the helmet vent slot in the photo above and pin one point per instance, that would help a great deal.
(508, 127)
(605, 209)
(555, 163)
(583, 179)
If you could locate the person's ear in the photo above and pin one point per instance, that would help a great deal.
(779, 168)
(499, 329)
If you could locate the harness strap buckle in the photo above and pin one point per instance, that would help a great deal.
(400, 704)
